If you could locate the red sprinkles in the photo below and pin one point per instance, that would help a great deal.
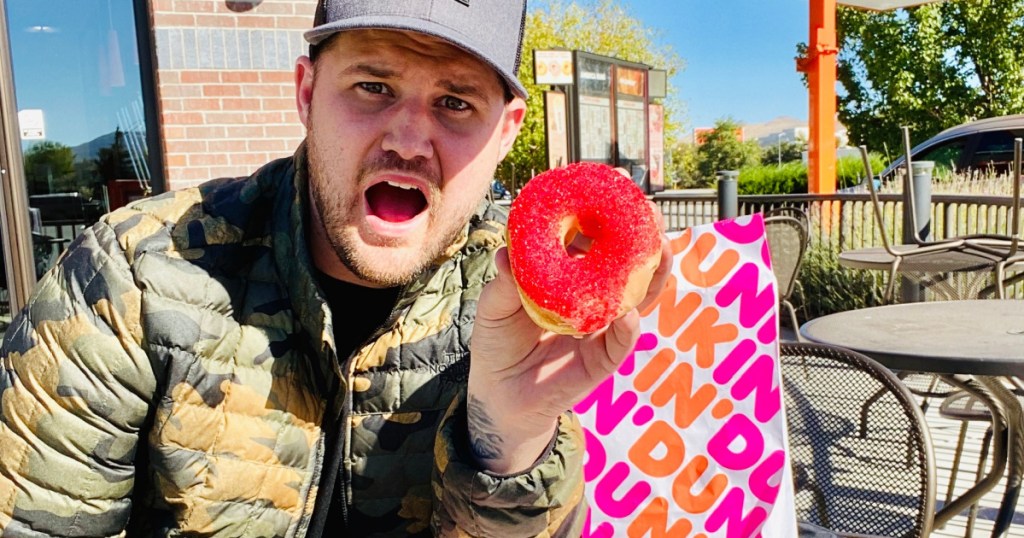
(610, 209)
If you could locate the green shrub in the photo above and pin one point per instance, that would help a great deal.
(850, 170)
(791, 177)
(826, 287)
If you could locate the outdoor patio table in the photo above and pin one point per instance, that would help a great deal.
(956, 274)
(971, 342)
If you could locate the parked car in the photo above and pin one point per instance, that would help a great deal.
(498, 191)
(981, 146)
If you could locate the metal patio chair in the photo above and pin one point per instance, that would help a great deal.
(1006, 248)
(876, 480)
(933, 254)
(786, 229)
(1003, 249)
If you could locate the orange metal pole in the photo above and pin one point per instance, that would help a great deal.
(820, 66)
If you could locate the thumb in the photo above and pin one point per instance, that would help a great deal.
(500, 299)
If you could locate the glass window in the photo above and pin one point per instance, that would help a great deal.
(80, 110)
(995, 152)
(595, 109)
(631, 117)
(946, 155)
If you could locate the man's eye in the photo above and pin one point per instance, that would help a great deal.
(373, 87)
(454, 103)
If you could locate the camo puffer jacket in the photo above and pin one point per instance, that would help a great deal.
(175, 375)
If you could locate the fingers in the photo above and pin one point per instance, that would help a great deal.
(500, 298)
(661, 274)
(618, 340)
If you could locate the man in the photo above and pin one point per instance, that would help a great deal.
(289, 354)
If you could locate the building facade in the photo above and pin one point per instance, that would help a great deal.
(105, 101)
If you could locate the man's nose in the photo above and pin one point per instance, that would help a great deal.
(410, 131)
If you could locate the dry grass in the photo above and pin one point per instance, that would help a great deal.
(969, 182)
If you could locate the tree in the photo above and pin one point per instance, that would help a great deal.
(682, 168)
(114, 161)
(928, 68)
(49, 167)
(723, 150)
(784, 152)
(598, 26)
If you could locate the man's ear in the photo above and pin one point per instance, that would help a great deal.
(515, 112)
(303, 88)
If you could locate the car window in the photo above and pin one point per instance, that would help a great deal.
(995, 152)
(945, 155)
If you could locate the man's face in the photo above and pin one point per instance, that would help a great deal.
(403, 135)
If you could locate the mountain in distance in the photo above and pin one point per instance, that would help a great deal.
(766, 132)
(784, 129)
(89, 150)
(779, 129)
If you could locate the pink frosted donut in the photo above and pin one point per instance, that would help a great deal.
(581, 293)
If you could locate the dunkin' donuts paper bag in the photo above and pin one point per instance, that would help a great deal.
(688, 438)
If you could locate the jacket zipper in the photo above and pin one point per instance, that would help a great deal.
(338, 451)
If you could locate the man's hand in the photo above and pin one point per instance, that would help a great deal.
(522, 378)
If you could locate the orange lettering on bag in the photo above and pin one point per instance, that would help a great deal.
(658, 434)
(656, 366)
(689, 403)
(673, 315)
(692, 260)
(653, 522)
(704, 334)
(682, 487)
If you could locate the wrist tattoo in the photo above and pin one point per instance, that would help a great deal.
(483, 439)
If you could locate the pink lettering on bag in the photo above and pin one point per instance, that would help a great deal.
(743, 233)
(768, 333)
(760, 479)
(736, 359)
(723, 445)
(730, 514)
(604, 493)
(760, 378)
(610, 412)
(653, 522)
(604, 530)
(754, 304)
(597, 457)
(683, 441)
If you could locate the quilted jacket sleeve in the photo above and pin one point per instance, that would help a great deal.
(545, 500)
(75, 389)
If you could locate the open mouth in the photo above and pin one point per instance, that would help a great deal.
(394, 202)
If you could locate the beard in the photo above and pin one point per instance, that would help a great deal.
(386, 262)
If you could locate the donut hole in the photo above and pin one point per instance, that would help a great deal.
(576, 243)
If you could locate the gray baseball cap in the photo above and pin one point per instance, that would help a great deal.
(491, 30)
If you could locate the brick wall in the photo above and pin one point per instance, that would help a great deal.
(225, 86)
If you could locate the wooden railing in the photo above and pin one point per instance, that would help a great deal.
(852, 221)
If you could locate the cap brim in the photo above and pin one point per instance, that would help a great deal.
(397, 22)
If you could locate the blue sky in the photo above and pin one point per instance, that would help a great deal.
(739, 55)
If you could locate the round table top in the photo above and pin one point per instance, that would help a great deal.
(983, 337)
(936, 261)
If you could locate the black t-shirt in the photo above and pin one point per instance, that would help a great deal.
(358, 310)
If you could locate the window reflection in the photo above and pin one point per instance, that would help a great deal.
(80, 110)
